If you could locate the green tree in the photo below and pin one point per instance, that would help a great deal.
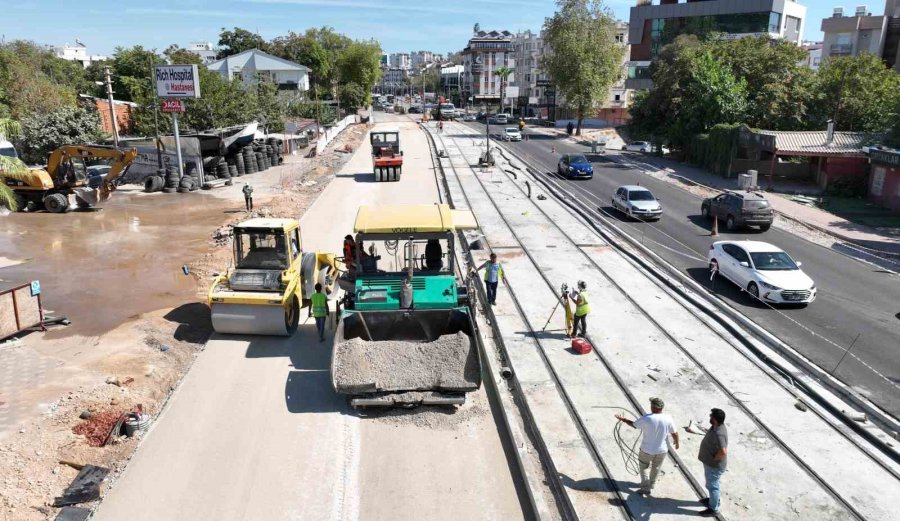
(503, 72)
(237, 40)
(586, 60)
(44, 133)
(269, 107)
(180, 55)
(359, 64)
(859, 93)
(10, 168)
(778, 86)
(352, 95)
(131, 67)
(10, 128)
(26, 87)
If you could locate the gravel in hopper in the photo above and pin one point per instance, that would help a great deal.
(450, 362)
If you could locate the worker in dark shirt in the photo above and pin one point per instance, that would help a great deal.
(714, 455)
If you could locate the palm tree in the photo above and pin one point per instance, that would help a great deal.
(504, 73)
(10, 167)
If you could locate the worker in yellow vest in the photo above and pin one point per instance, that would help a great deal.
(319, 310)
(492, 276)
(582, 309)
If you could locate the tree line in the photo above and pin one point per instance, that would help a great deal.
(39, 106)
(703, 81)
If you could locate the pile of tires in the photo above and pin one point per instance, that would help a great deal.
(250, 166)
(155, 183)
(191, 171)
(173, 179)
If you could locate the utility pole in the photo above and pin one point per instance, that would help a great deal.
(112, 108)
(159, 161)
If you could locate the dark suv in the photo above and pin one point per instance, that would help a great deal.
(739, 208)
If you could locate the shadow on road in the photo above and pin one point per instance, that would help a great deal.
(363, 177)
(722, 287)
(641, 507)
(194, 323)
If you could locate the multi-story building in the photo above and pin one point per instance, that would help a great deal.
(529, 48)
(654, 23)
(394, 77)
(813, 54)
(859, 31)
(615, 108)
(452, 84)
(400, 60)
(418, 59)
(486, 52)
(78, 53)
(204, 50)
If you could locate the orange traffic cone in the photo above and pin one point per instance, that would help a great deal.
(715, 228)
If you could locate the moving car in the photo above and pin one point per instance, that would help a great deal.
(512, 134)
(470, 116)
(765, 271)
(500, 119)
(637, 202)
(637, 146)
(448, 111)
(575, 166)
(739, 208)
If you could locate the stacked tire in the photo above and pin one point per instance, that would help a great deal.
(250, 166)
(239, 163)
(193, 173)
(173, 180)
(155, 183)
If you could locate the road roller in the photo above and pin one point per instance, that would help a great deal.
(405, 336)
(270, 281)
(387, 158)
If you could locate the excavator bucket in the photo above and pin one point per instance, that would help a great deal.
(89, 196)
(390, 358)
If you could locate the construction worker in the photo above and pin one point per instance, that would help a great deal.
(319, 310)
(521, 124)
(350, 253)
(655, 427)
(248, 196)
(441, 127)
(582, 309)
(492, 276)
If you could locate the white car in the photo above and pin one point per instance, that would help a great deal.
(512, 134)
(765, 271)
(637, 146)
(500, 119)
(469, 116)
(637, 202)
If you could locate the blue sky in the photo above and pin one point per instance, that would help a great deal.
(400, 25)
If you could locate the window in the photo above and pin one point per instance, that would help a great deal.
(843, 38)
(618, 97)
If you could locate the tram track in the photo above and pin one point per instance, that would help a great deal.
(846, 504)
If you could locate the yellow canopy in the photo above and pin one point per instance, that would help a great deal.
(418, 218)
(261, 222)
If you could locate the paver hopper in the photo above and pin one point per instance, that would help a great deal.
(406, 336)
(271, 281)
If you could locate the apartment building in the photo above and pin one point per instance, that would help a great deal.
(400, 60)
(850, 33)
(486, 52)
(655, 23)
(205, 50)
(78, 53)
(813, 54)
(529, 48)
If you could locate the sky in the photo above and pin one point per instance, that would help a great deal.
(400, 25)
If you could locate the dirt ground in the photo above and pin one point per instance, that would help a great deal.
(139, 362)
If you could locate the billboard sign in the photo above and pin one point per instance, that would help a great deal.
(177, 81)
(172, 105)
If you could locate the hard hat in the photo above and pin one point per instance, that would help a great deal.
(581, 284)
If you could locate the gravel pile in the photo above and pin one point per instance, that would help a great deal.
(448, 363)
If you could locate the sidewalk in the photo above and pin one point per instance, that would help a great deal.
(881, 239)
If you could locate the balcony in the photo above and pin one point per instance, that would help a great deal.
(841, 48)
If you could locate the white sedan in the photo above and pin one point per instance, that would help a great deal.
(637, 202)
(512, 134)
(765, 271)
(637, 146)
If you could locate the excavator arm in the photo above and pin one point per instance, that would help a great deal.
(121, 159)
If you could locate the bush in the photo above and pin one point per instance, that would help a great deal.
(44, 133)
(850, 186)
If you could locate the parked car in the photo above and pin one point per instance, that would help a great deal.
(414, 109)
(739, 208)
(637, 202)
(470, 116)
(575, 166)
(637, 146)
(765, 271)
(512, 134)
(481, 116)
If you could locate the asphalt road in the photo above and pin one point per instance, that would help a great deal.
(857, 303)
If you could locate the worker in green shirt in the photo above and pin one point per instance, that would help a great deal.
(319, 310)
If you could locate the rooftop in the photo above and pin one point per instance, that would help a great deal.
(815, 143)
(417, 218)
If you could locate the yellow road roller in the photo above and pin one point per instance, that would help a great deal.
(270, 281)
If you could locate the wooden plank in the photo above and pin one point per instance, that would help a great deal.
(8, 324)
(28, 307)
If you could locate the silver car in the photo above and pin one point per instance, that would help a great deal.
(637, 202)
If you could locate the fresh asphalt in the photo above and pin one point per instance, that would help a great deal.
(857, 303)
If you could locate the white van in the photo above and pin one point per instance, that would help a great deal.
(448, 111)
(7, 149)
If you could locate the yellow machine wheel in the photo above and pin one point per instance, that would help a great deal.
(292, 316)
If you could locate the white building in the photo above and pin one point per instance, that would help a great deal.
(400, 60)
(254, 65)
(204, 50)
(486, 52)
(813, 54)
(79, 53)
(393, 77)
(529, 48)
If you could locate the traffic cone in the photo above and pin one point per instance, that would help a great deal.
(553, 149)
(715, 228)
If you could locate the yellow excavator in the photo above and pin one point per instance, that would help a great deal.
(272, 279)
(67, 173)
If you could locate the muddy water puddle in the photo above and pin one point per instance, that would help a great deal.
(102, 267)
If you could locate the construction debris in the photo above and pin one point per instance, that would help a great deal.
(84, 488)
(98, 427)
